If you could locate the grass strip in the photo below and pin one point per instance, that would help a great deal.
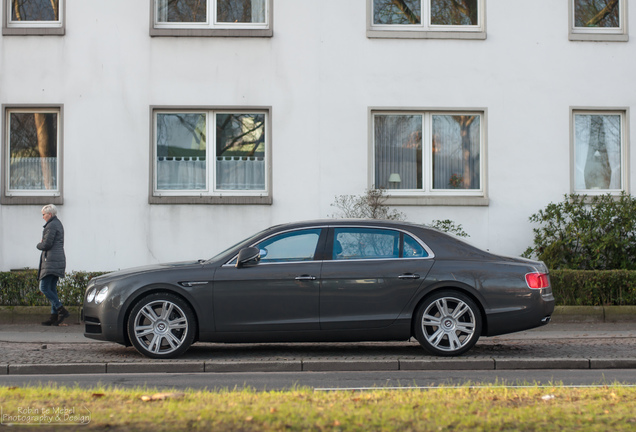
(485, 408)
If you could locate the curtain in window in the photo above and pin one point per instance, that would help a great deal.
(181, 173)
(456, 147)
(33, 151)
(597, 147)
(240, 173)
(240, 151)
(181, 151)
(258, 11)
(398, 151)
(33, 173)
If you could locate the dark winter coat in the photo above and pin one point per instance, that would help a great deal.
(52, 259)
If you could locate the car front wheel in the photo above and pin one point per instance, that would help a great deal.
(448, 323)
(161, 325)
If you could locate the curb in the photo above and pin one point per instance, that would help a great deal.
(318, 366)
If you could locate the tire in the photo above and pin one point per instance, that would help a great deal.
(161, 326)
(448, 323)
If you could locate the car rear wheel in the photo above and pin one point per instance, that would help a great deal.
(448, 323)
(161, 325)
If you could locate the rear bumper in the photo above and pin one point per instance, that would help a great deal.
(527, 318)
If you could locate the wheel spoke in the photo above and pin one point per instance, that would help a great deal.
(149, 313)
(141, 331)
(166, 310)
(155, 344)
(460, 310)
(454, 341)
(442, 305)
(436, 337)
(178, 324)
(429, 320)
(173, 340)
(467, 328)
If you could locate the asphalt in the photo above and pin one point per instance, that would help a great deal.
(34, 349)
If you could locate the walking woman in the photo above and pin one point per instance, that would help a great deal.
(52, 263)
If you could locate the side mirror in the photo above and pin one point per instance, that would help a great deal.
(248, 256)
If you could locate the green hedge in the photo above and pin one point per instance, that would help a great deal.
(21, 288)
(594, 287)
(570, 287)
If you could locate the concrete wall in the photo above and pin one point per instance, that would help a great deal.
(320, 74)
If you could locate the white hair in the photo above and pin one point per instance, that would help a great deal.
(50, 209)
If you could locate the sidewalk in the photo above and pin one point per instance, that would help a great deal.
(34, 349)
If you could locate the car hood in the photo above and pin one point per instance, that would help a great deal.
(119, 274)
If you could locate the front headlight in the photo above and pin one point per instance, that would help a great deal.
(91, 295)
(101, 295)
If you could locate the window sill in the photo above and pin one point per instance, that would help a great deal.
(437, 201)
(211, 200)
(31, 200)
(596, 37)
(397, 34)
(30, 31)
(168, 32)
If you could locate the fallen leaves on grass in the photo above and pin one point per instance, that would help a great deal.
(162, 396)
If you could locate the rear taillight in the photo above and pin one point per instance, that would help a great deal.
(537, 280)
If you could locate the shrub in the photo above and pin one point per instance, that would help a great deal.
(21, 288)
(587, 233)
(593, 287)
(372, 205)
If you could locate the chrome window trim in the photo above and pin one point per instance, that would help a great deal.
(431, 254)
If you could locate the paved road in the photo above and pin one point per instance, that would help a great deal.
(32, 349)
(329, 381)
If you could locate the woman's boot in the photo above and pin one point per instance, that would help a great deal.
(51, 321)
(61, 314)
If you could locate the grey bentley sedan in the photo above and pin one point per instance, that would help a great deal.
(324, 281)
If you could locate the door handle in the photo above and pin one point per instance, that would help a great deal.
(306, 277)
(409, 276)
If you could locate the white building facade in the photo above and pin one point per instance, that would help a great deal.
(167, 130)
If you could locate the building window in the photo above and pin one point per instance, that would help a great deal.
(599, 151)
(598, 20)
(32, 161)
(232, 168)
(212, 18)
(447, 19)
(33, 17)
(429, 153)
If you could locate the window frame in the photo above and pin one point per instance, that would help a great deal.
(210, 28)
(211, 195)
(428, 196)
(623, 112)
(33, 28)
(601, 34)
(425, 30)
(35, 197)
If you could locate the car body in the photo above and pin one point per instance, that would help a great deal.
(324, 281)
